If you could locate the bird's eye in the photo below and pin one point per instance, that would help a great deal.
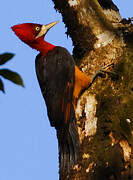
(37, 28)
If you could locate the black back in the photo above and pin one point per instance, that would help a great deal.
(54, 72)
(56, 76)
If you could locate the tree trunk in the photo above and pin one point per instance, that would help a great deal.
(105, 111)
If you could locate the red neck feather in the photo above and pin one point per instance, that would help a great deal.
(42, 46)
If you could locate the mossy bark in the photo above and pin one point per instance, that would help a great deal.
(105, 111)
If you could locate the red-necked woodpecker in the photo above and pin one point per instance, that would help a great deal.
(61, 83)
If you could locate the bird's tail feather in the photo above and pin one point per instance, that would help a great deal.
(68, 141)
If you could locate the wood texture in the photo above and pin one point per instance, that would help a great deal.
(105, 111)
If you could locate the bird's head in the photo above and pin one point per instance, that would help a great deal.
(31, 33)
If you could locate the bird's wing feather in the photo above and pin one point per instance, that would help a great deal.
(55, 74)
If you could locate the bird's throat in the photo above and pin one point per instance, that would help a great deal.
(42, 46)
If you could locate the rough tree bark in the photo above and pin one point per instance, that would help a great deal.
(105, 111)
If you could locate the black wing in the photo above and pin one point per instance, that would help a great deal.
(55, 74)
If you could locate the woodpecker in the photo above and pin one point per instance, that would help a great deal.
(61, 83)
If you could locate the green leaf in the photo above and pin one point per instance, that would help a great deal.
(5, 57)
(2, 86)
(12, 76)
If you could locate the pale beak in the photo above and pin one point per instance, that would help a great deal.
(48, 26)
(45, 28)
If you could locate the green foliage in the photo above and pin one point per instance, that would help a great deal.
(1, 86)
(5, 57)
(8, 74)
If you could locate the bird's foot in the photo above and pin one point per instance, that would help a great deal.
(103, 72)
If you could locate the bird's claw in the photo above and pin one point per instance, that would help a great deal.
(103, 71)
